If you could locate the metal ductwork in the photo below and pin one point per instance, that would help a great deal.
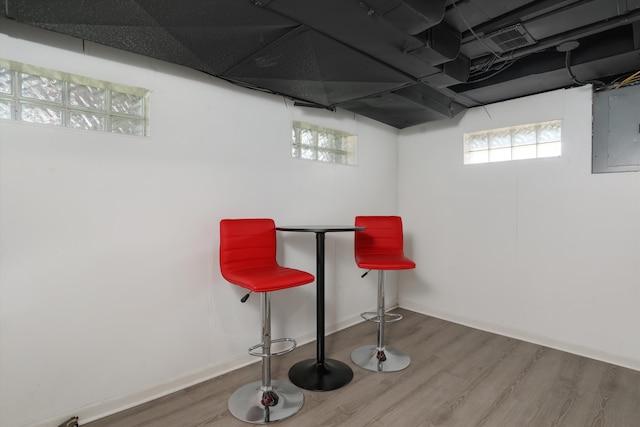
(415, 16)
(401, 62)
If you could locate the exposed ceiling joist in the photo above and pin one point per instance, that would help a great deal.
(401, 62)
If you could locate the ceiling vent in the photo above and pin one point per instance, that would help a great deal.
(509, 39)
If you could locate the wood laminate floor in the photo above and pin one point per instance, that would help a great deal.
(459, 376)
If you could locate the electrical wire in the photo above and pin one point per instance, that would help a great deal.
(619, 82)
(498, 71)
(487, 66)
(455, 6)
(567, 63)
(634, 78)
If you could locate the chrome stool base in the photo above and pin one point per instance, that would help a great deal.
(380, 358)
(391, 359)
(246, 402)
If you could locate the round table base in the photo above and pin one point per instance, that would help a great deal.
(315, 376)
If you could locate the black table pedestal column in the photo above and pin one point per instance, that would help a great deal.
(320, 374)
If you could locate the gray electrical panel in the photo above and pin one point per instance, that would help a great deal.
(616, 130)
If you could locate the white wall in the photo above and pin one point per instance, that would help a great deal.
(110, 292)
(110, 287)
(540, 250)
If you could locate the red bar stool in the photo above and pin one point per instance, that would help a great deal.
(248, 259)
(380, 247)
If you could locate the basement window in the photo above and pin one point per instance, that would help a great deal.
(311, 142)
(42, 96)
(529, 141)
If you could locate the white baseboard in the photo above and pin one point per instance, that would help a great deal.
(117, 404)
(525, 336)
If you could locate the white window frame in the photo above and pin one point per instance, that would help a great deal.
(312, 142)
(530, 141)
(109, 118)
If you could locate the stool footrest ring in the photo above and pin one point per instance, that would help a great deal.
(291, 347)
(371, 316)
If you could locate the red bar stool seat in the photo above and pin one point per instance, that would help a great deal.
(380, 247)
(248, 259)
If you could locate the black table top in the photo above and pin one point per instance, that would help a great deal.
(319, 228)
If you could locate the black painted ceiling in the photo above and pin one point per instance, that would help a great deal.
(401, 62)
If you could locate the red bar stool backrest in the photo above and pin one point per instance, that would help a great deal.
(247, 243)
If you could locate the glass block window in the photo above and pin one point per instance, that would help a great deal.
(514, 143)
(313, 142)
(49, 97)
